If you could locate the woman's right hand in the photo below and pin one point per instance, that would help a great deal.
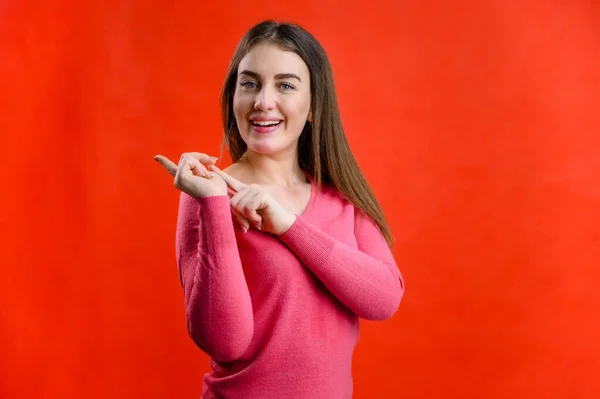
(192, 177)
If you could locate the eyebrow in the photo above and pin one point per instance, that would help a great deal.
(277, 77)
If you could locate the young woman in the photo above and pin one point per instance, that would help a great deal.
(281, 253)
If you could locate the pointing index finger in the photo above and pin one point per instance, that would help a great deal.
(169, 165)
(232, 182)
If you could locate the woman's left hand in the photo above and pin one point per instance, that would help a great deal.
(252, 206)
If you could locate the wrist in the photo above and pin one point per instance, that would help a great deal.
(212, 195)
(289, 221)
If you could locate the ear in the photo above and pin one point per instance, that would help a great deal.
(309, 118)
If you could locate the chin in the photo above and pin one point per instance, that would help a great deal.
(264, 149)
(269, 148)
(268, 144)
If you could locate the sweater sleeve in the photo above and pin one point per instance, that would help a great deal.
(366, 280)
(217, 301)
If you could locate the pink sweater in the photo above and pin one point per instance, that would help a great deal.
(279, 315)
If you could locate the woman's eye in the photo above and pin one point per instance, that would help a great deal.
(286, 86)
(249, 85)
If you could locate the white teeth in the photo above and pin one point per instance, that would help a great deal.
(265, 123)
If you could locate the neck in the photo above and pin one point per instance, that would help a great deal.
(272, 169)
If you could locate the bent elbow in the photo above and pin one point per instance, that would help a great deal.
(386, 307)
(222, 345)
(231, 351)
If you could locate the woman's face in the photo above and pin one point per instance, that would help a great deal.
(271, 102)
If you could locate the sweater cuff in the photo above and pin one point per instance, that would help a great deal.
(310, 244)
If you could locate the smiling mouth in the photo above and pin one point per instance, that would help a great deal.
(265, 123)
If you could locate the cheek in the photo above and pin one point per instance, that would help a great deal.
(297, 109)
(242, 104)
(239, 114)
(237, 106)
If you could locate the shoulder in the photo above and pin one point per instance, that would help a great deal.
(330, 199)
(331, 194)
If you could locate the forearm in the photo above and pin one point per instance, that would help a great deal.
(369, 286)
(218, 306)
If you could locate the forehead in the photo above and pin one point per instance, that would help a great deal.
(268, 59)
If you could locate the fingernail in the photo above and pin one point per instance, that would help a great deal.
(214, 159)
(258, 226)
(245, 229)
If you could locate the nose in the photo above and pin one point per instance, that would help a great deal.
(265, 100)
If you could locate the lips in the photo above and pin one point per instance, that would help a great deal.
(265, 125)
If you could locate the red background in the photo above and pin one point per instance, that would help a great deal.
(476, 122)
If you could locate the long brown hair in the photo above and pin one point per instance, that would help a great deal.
(323, 150)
